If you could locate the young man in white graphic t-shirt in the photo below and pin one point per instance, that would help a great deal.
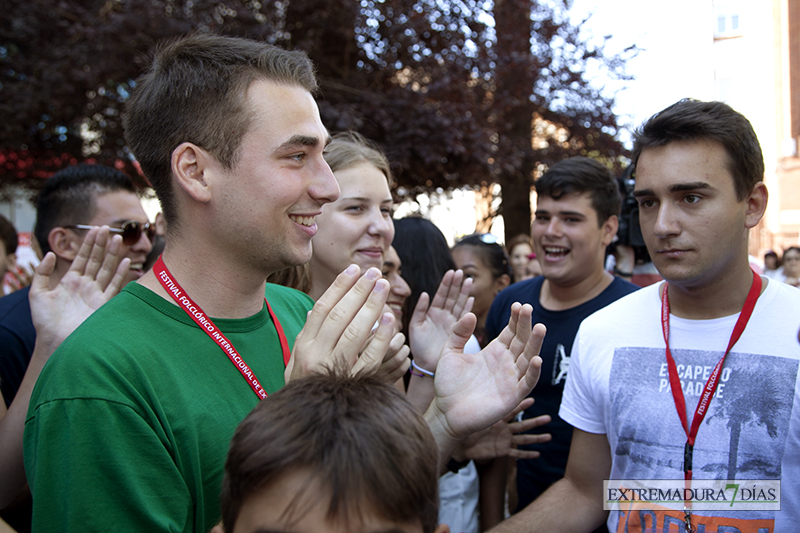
(698, 182)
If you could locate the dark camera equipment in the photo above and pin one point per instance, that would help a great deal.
(629, 231)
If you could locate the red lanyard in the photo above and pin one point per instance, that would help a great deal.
(206, 324)
(711, 384)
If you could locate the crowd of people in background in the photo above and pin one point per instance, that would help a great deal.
(276, 352)
(785, 268)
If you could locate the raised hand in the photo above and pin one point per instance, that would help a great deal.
(339, 327)
(502, 438)
(473, 391)
(57, 308)
(430, 326)
(95, 276)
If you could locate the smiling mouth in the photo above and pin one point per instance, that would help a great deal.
(136, 266)
(555, 252)
(307, 221)
(396, 308)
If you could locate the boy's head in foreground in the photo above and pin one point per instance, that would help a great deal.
(332, 453)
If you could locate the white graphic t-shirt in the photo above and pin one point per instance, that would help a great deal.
(618, 385)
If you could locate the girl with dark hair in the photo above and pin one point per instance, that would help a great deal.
(425, 255)
(426, 260)
(428, 268)
(483, 260)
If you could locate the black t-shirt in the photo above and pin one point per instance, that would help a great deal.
(534, 476)
(17, 338)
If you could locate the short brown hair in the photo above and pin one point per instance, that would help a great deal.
(348, 149)
(359, 437)
(583, 175)
(195, 91)
(692, 119)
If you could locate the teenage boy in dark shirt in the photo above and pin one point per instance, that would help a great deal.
(577, 209)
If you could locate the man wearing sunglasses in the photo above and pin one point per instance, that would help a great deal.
(71, 201)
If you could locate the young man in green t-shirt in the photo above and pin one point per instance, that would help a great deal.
(130, 421)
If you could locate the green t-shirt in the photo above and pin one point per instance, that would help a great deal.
(130, 421)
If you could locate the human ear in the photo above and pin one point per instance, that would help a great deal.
(610, 228)
(191, 166)
(756, 204)
(501, 283)
(64, 243)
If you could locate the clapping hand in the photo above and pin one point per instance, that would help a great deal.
(339, 330)
(95, 276)
(430, 326)
(473, 391)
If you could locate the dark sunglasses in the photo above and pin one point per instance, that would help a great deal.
(131, 231)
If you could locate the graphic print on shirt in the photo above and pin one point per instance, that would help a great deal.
(560, 365)
(742, 437)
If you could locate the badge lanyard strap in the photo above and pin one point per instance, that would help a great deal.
(183, 300)
(711, 384)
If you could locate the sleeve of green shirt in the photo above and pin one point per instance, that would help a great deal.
(80, 467)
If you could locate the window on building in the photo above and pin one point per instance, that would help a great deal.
(727, 23)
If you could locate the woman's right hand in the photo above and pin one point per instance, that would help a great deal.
(430, 326)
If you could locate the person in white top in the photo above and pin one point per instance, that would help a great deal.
(791, 266)
(698, 171)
